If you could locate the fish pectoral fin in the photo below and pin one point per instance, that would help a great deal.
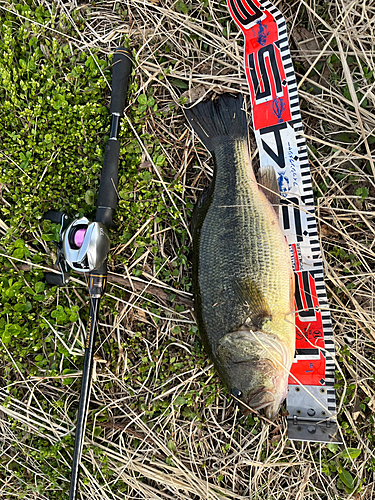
(267, 180)
(254, 303)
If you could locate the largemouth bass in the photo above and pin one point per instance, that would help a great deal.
(242, 272)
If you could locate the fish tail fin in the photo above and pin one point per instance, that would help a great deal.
(217, 121)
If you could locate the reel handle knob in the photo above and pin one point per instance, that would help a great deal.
(54, 216)
(54, 279)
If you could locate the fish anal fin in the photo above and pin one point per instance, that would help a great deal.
(267, 179)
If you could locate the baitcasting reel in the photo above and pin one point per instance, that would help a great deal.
(83, 246)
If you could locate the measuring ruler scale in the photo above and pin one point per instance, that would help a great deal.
(311, 400)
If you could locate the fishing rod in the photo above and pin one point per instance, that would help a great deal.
(84, 246)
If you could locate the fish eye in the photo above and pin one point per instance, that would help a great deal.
(236, 392)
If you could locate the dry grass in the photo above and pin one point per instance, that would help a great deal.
(178, 458)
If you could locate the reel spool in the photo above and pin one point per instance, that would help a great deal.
(83, 246)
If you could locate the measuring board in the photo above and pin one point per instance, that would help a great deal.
(311, 399)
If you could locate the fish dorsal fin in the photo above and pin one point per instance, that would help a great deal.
(254, 303)
(267, 180)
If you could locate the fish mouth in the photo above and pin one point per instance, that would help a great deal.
(261, 399)
(266, 400)
(257, 364)
(265, 397)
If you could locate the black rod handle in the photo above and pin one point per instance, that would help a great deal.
(121, 69)
(107, 197)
